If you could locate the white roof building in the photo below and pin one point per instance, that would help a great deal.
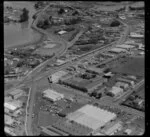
(116, 90)
(9, 131)
(133, 34)
(125, 46)
(91, 116)
(60, 62)
(128, 131)
(13, 105)
(52, 95)
(7, 98)
(56, 76)
(117, 50)
(62, 32)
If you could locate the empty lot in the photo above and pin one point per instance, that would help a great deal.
(133, 66)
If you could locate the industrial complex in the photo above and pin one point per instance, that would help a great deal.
(85, 77)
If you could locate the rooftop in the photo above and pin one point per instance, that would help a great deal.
(91, 116)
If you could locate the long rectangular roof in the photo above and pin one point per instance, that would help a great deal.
(49, 93)
(91, 116)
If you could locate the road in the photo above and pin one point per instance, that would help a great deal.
(129, 92)
(26, 117)
(34, 80)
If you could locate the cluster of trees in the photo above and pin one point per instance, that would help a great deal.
(24, 16)
(43, 24)
(115, 23)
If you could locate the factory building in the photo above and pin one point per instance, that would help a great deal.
(116, 90)
(126, 81)
(56, 76)
(91, 116)
(13, 105)
(16, 93)
(83, 84)
(117, 50)
(52, 95)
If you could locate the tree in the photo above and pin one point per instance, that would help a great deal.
(61, 11)
(24, 16)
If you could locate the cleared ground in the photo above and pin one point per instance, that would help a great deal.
(133, 66)
(48, 51)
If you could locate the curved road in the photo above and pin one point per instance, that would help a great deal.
(34, 83)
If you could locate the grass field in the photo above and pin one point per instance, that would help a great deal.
(133, 66)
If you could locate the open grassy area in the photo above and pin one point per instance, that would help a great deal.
(133, 66)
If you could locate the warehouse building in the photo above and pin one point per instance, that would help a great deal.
(16, 93)
(52, 95)
(117, 50)
(126, 81)
(83, 84)
(91, 116)
(56, 76)
(95, 69)
(125, 46)
(13, 105)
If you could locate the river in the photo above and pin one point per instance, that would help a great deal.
(20, 33)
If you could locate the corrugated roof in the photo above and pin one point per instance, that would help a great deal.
(91, 116)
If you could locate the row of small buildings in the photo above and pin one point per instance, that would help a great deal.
(13, 108)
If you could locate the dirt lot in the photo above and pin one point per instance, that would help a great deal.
(133, 66)
(49, 51)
